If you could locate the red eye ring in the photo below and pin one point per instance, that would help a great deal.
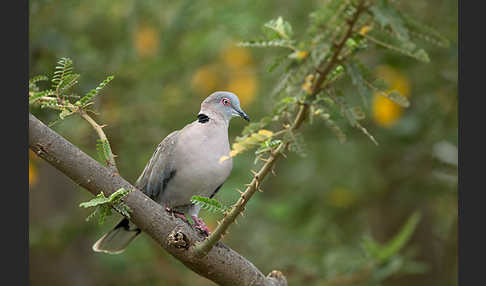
(225, 101)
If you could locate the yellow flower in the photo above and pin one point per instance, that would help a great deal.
(299, 55)
(365, 29)
(146, 40)
(385, 112)
(266, 133)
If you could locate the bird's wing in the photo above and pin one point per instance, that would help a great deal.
(159, 169)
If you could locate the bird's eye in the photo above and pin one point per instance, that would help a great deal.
(225, 101)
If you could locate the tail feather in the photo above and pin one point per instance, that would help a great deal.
(116, 240)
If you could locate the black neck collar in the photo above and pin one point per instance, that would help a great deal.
(202, 118)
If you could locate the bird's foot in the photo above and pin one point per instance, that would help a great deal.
(176, 214)
(200, 225)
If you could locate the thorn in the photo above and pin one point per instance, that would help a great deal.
(283, 155)
(253, 172)
(239, 191)
(273, 172)
(247, 185)
(242, 214)
(236, 222)
(265, 160)
(102, 126)
(260, 190)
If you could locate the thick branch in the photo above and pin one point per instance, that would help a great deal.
(221, 265)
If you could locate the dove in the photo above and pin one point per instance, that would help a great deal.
(186, 163)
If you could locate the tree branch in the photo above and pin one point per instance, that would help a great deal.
(222, 265)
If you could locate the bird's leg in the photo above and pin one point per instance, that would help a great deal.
(199, 224)
(176, 214)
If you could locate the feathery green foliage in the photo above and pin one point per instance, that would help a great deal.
(264, 43)
(63, 70)
(33, 82)
(211, 205)
(278, 29)
(88, 98)
(104, 205)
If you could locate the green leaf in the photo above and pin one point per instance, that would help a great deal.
(33, 82)
(103, 205)
(118, 195)
(387, 16)
(404, 47)
(334, 127)
(63, 69)
(92, 93)
(67, 83)
(37, 95)
(424, 32)
(399, 99)
(380, 87)
(104, 150)
(278, 29)
(264, 43)
(328, 15)
(358, 80)
(211, 205)
(98, 200)
(352, 114)
(267, 145)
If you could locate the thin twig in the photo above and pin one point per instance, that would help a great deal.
(99, 129)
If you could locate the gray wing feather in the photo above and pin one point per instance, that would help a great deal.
(158, 169)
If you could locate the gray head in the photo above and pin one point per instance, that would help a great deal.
(223, 103)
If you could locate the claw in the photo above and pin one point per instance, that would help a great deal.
(199, 224)
(176, 214)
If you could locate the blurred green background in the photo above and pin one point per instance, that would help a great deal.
(167, 56)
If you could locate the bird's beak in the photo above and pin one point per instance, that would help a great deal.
(243, 115)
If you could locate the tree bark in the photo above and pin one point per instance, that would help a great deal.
(222, 265)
